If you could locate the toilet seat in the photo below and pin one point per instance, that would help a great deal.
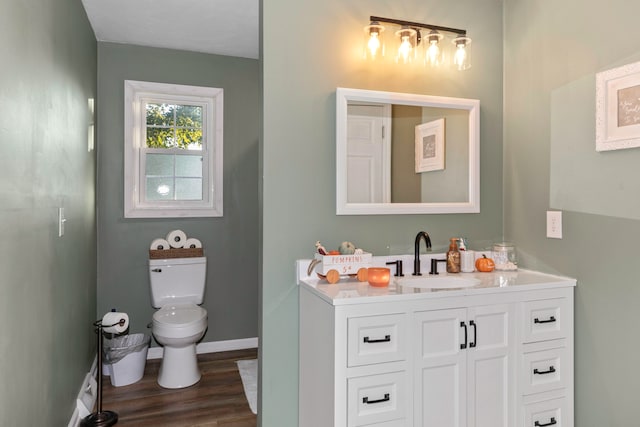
(179, 320)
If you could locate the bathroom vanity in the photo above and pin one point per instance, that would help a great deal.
(498, 353)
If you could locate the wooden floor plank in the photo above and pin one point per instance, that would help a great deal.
(216, 400)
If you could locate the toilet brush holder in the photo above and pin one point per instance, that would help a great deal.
(101, 418)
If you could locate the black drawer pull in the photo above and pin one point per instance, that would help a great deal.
(475, 333)
(552, 422)
(464, 325)
(550, 371)
(370, 402)
(551, 320)
(157, 270)
(387, 338)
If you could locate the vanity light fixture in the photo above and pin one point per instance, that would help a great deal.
(411, 42)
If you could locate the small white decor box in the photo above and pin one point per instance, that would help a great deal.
(343, 264)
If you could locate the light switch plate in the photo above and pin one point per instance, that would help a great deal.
(554, 224)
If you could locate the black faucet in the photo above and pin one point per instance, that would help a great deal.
(416, 259)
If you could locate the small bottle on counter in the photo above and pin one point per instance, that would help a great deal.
(453, 257)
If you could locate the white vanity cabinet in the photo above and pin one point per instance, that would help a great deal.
(463, 360)
(546, 362)
(486, 357)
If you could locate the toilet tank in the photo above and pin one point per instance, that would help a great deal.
(177, 280)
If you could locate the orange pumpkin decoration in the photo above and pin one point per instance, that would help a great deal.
(485, 264)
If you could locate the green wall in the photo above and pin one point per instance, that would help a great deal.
(308, 49)
(230, 242)
(405, 182)
(47, 283)
(552, 52)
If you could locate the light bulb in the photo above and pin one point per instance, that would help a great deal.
(374, 44)
(405, 48)
(433, 53)
(407, 42)
(461, 57)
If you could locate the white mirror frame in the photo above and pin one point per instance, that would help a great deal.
(343, 207)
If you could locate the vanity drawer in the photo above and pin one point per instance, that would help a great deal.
(550, 413)
(546, 319)
(545, 369)
(376, 339)
(376, 399)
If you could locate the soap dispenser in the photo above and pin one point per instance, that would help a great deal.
(453, 257)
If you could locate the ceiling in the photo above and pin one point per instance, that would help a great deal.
(222, 27)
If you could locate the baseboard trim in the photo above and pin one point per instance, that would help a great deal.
(87, 396)
(211, 347)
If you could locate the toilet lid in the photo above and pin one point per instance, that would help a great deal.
(179, 315)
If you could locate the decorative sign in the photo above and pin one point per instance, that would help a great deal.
(618, 108)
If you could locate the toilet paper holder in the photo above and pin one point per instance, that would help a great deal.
(102, 418)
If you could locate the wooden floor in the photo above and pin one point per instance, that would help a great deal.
(217, 400)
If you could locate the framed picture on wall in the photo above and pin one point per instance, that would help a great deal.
(618, 108)
(430, 146)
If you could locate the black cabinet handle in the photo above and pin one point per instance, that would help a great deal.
(475, 333)
(387, 338)
(552, 422)
(464, 325)
(550, 371)
(366, 400)
(550, 320)
(157, 270)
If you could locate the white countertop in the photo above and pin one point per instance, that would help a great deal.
(350, 291)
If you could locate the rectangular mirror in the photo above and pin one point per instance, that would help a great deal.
(400, 153)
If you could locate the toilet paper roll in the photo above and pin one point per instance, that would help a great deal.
(115, 322)
(176, 238)
(191, 243)
(159, 244)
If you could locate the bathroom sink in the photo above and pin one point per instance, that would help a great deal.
(437, 282)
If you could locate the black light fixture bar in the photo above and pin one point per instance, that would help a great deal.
(419, 25)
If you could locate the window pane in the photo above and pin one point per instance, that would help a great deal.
(189, 116)
(189, 166)
(160, 114)
(188, 189)
(190, 139)
(159, 188)
(159, 165)
(160, 138)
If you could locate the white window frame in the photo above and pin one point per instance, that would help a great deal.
(136, 94)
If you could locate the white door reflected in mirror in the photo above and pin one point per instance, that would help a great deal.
(368, 153)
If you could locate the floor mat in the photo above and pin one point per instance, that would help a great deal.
(249, 374)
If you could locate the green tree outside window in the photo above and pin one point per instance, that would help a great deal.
(174, 126)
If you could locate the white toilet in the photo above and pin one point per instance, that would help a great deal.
(177, 289)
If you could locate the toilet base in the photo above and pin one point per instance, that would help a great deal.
(179, 367)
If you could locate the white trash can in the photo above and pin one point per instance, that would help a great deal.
(125, 358)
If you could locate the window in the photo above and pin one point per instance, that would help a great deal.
(173, 150)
